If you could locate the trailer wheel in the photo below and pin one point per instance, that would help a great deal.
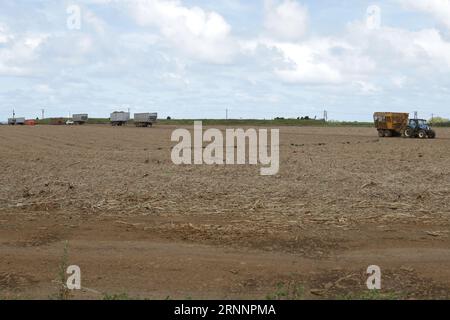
(381, 133)
(388, 133)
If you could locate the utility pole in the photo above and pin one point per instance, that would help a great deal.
(43, 113)
(14, 114)
(325, 116)
(416, 115)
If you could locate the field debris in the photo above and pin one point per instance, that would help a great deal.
(128, 210)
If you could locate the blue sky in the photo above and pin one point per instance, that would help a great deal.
(197, 58)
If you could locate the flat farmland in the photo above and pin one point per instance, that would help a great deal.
(110, 200)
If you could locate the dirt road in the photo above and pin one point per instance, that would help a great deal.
(141, 227)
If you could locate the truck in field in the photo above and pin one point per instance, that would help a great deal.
(16, 121)
(392, 124)
(119, 118)
(80, 119)
(145, 119)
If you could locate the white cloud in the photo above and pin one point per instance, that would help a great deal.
(18, 51)
(399, 81)
(439, 9)
(4, 35)
(360, 56)
(306, 63)
(424, 48)
(287, 20)
(43, 88)
(367, 88)
(309, 59)
(94, 21)
(431, 42)
(202, 34)
(320, 61)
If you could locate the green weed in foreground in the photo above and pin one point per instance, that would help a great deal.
(371, 295)
(118, 297)
(63, 292)
(289, 291)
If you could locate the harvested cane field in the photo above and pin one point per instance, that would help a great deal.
(111, 201)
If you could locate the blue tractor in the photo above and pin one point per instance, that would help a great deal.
(419, 128)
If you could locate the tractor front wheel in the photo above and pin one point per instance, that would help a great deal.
(422, 134)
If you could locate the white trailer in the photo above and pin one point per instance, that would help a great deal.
(16, 121)
(119, 118)
(145, 119)
(80, 118)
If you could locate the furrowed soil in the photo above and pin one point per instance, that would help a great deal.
(111, 201)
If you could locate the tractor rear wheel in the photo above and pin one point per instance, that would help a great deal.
(432, 134)
(422, 134)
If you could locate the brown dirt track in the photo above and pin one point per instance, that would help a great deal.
(137, 224)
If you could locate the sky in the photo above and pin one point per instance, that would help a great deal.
(197, 58)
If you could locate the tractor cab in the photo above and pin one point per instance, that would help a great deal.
(419, 124)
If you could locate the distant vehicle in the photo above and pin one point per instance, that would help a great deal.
(145, 119)
(119, 118)
(391, 124)
(80, 118)
(70, 122)
(57, 121)
(16, 121)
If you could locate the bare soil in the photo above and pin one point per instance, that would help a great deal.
(141, 227)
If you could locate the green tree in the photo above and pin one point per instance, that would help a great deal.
(439, 120)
